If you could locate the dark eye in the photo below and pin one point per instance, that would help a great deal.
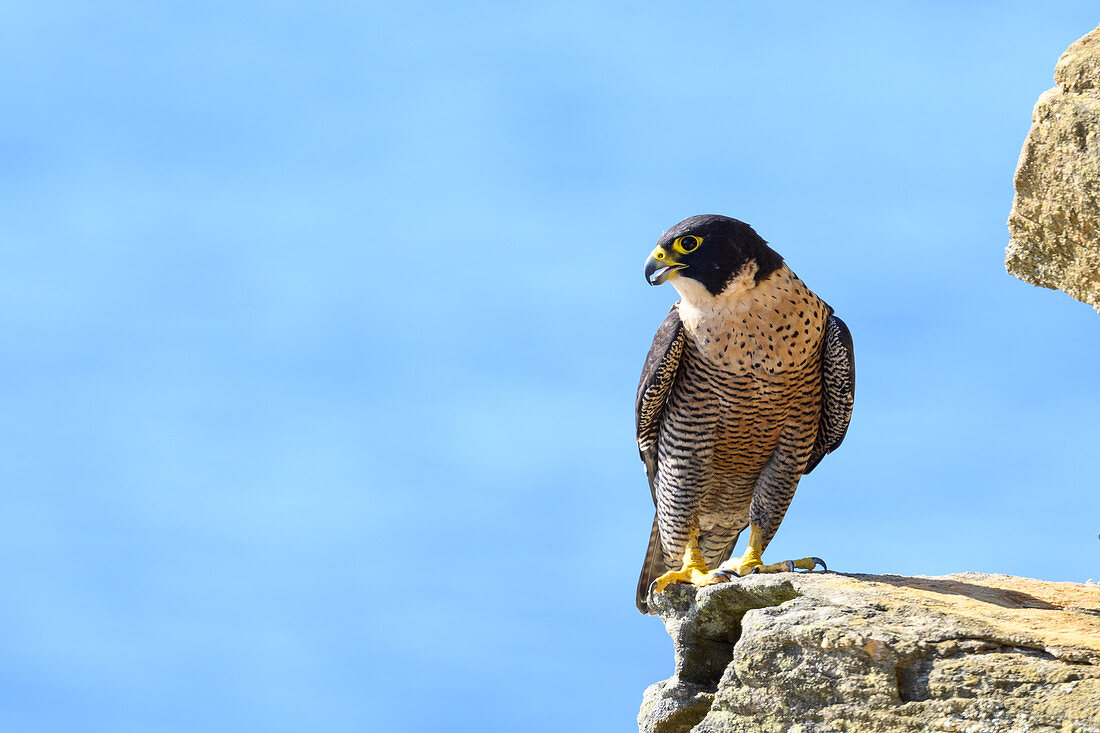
(688, 244)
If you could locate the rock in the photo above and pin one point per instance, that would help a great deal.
(817, 652)
(1054, 226)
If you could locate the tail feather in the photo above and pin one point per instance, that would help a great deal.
(653, 566)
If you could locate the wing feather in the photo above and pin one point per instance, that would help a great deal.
(658, 376)
(838, 390)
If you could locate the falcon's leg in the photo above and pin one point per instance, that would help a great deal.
(750, 562)
(694, 568)
(770, 498)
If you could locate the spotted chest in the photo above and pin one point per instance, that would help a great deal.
(769, 328)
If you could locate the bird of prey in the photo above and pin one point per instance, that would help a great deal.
(749, 383)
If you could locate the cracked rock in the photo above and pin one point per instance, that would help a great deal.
(828, 652)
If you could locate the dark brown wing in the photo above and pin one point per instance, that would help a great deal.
(658, 376)
(838, 390)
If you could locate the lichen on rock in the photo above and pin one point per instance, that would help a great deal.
(1054, 225)
(829, 652)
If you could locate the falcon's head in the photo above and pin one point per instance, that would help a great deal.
(711, 250)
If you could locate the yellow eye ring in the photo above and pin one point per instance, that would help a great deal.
(687, 244)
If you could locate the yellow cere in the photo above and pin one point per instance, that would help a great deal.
(687, 244)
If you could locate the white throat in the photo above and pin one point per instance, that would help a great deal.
(696, 295)
(712, 319)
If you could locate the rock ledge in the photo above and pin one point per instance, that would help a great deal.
(809, 653)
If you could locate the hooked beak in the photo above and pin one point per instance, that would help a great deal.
(660, 259)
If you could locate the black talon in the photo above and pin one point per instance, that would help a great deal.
(649, 592)
(755, 570)
(790, 566)
(819, 561)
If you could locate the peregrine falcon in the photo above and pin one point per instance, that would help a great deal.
(749, 383)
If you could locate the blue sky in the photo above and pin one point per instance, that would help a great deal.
(320, 327)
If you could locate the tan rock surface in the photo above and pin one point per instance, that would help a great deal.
(1054, 225)
(829, 652)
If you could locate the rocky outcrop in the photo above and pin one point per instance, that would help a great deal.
(809, 653)
(1054, 226)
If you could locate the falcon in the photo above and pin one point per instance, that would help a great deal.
(749, 383)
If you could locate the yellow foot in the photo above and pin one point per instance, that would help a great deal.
(742, 567)
(694, 569)
(751, 562)
(695, 573)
